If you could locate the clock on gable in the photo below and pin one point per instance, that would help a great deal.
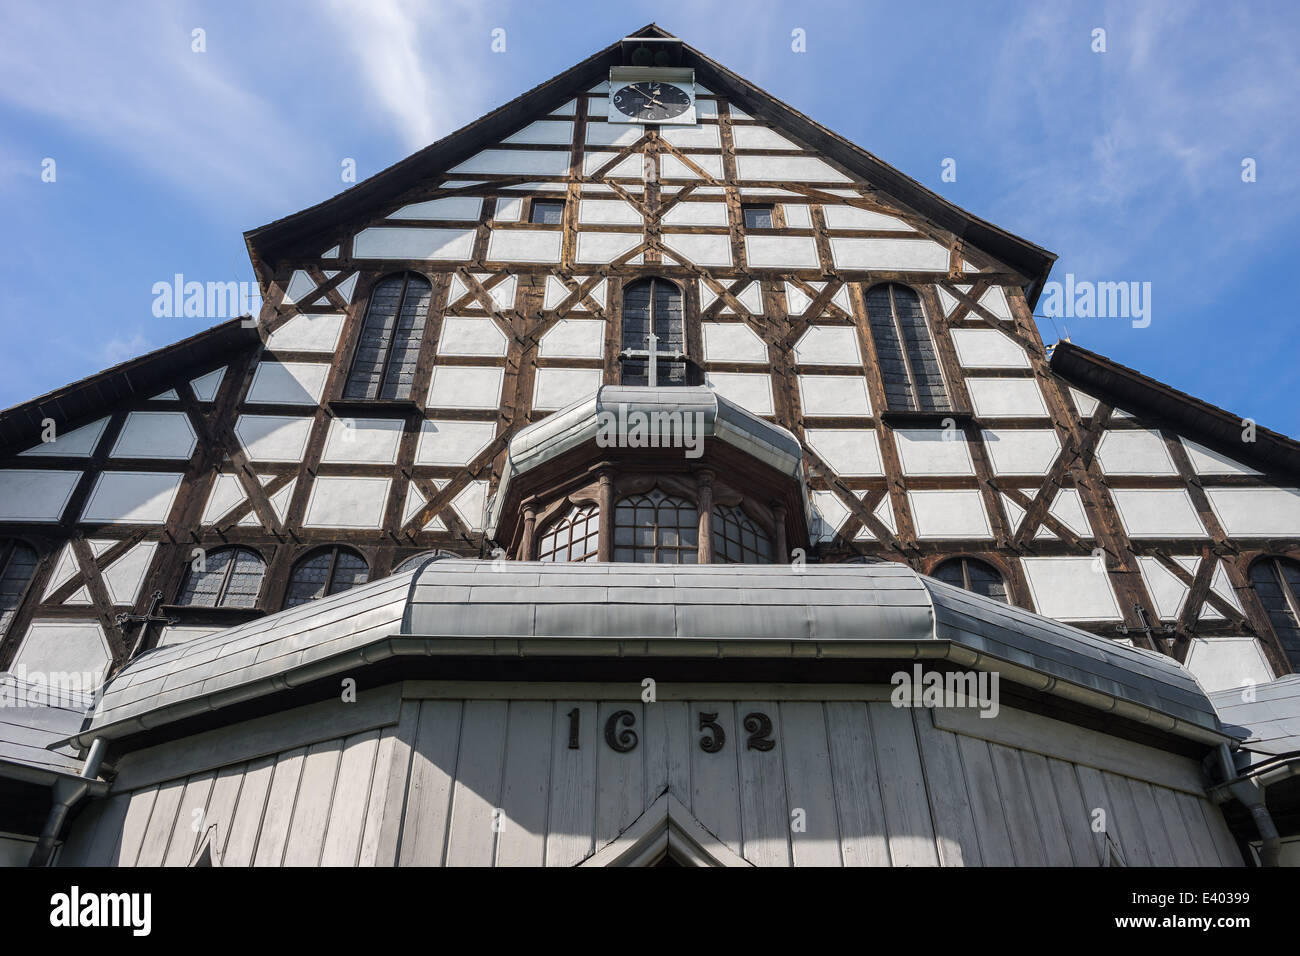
(658, 95)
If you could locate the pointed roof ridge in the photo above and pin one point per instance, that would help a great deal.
(1033, 261)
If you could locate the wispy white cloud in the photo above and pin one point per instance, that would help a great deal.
(413, 57)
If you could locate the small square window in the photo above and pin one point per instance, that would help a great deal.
(547, 212)
(758, 217)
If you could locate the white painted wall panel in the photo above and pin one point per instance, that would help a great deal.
(1157, 513)
(1027, 451)
(852, 452)
(55, 652)
(828, 345)
(1134, 452)
(732, 342)
(161, 435)
(1254, 512)
(1006, 398)
(471, 336)
(338, 502)
(557, 387)
(307, 332)
(1071, 589)
(525, 245)
(795, 252)
(573, 338)
(605, 246)
(287, 383)
(460, 208)
(77, 443)
(452, 442)
(697, 214)
(791, 169)
(933, 451)
(904, 255)
(363, 441)
(1206, 461)
(391, 242)
(515, 162)
(1223, 662)
(851, 217)
(701, 250)
(465, 386)
(545, 133)
(132, 497)
(834, 395)
(949, 514)
(273, 437)
(751, 392)
(988, 348)
(32, 495)
(608, 212)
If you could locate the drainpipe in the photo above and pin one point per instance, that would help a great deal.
(1250, 794)
(67, 791)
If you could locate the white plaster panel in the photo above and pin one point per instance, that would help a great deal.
(287, 383)
(462, 208)
(697, 214)
(933, 451)
(852, 452)
(1071, 589)
(614, 134)
(1166, 590)
(517, 162)
(363, 441)
(670, 167)
(1134, 452)
(412, 242)
(573, 338)
(508, 210)
(788, 169)
(608, 212)
(732, 342)
(1206, 461)
(31, 495)
(828, 514)
(558, 387)
(307, 332)
(337, 502)
(834, 395)
(631, 167)
(166, 435)
(544, 133)
(123, 577)
(1257, 512)
(796, 252)
(759, 137)
(63, 648)
(78, 443)
(797, 217)
(1157, 513)
(227, 491)
(206, 385)
(452, 442)
(471, 504)
(1028, 451)
(988, 348)
(906, 255)
(751, 392)
(828, 345)
(456, 386)
(701, 250)
(697, 136)
(851, 217)
(466, 336)
(1220, 663)
(949, 514)
(300, 284)
(273, 437)
(132, 497)
(525, 245)
(1085, 404)
(1006, 398)
(605, 246)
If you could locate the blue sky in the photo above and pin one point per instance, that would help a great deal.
(1127, 163)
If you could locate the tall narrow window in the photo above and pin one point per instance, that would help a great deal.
(656, 528)
(973, 575)
(653, 305)
(328, 571)
(575, 536)
(909, 365)
(737, 540)
(230, 577)
(1277, 582)
(384, 366)
(17, 565)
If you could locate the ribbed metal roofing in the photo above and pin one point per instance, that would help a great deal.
(852, 612)
(1268, 715)
(30, 724)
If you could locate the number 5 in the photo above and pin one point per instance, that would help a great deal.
(711, 745)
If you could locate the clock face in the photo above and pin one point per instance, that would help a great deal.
(652, 101)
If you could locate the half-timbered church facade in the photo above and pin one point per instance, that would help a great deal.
(645, 315)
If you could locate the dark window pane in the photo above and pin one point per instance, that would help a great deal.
(231, 577)
(389, 346)
(574, 536)
(17, 565)
(906, 358)
(758, 217)
(973, 575)
(548, 212)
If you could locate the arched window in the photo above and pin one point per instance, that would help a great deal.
(974, 576)
(229, 577)
(909, 365)
(656, 528)
(737, 540)
(575, 536)
(415, 560)
(1277, 582)
(324, 572)
(384, 366)
(653, 305)
(17, 565)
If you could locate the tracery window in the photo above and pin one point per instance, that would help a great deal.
(325, 572)
(737, 539)
(227, 577)
(973, 575)
(656, 528)
(384, 366)
(17, 565)
(574, 536)
(1277, 582)
(909, 364)
(653, 305)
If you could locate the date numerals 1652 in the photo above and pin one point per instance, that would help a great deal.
(620, 736)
